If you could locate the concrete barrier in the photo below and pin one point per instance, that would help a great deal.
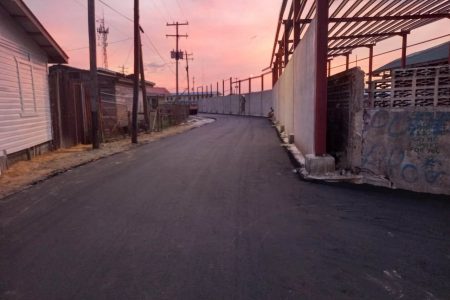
(257, 104)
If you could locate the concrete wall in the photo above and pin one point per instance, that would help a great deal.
(256, 104)
(294, 93)
(410, 147)
(345, 117)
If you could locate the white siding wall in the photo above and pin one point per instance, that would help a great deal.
(25, 117)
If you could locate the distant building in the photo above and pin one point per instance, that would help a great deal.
(437, 55)
(25, 115)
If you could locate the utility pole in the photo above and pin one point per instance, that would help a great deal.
(143, 84)
(134, 125)
(187, 71)
(93, 73)
(123, 68)
(103, 40)
(178, 54)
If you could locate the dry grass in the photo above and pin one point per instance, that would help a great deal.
(25, 173)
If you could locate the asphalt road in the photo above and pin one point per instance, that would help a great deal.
(217, 213)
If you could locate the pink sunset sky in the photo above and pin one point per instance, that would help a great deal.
(228, 38)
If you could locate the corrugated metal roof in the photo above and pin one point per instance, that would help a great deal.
(28, 21)
(158, 91)
(432, 55)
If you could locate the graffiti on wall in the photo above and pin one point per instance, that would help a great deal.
(408, 147)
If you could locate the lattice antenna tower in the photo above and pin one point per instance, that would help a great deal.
(103, 32)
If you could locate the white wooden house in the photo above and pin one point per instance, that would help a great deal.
(26, 48)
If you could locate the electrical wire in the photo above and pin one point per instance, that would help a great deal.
(146, 35)
(394, 50)
(115, 10)
(87, 47)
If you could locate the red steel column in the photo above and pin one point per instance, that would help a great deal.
(239, 87)
(404, 46)
(329, 67)
(449, 53)
(231, 85)
(370, 74)
(347, 61)
(296, 24)
(249, 85)
(287, 27)
(320, 131)
(370, 65)
(262, 82)
(223, 87)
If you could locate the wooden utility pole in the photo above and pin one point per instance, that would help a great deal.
(187, 72)
(134, 123)
(143, 84)
(93, 69)
(178, 54)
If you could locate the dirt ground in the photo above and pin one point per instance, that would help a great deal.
(26, 173)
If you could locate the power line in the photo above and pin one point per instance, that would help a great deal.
(157, 52)
(394, 50)
(146, 35)
(87, 47)
(115, 10)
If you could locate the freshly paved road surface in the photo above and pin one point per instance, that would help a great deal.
(217, 213)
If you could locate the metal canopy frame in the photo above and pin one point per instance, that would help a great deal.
(352, 24)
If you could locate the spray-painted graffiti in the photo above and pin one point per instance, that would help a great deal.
(408, 147)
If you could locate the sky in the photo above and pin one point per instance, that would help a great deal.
(228, 38)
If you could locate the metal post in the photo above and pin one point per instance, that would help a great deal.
(295, 23)
(207, 91)
(203, 95)
(369, 85)
(210, 89)
(249, 85)
(321, 77)
(223, 87)
(404, 46)
(262, 82)
(274, 74)
(287, 27)
(217, 89)
(231, 85)
(93, 73)
(370, 65)
(329, 67)
(239, 87)
(347, 61)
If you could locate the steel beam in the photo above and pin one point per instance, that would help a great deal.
(368, 35)
(349, 47)
(384, 18)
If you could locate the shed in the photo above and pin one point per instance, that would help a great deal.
(26, 48)
(71, 109)
(433, 56)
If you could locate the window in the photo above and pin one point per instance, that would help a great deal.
(26, 88)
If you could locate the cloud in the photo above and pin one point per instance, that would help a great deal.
(154, 67)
